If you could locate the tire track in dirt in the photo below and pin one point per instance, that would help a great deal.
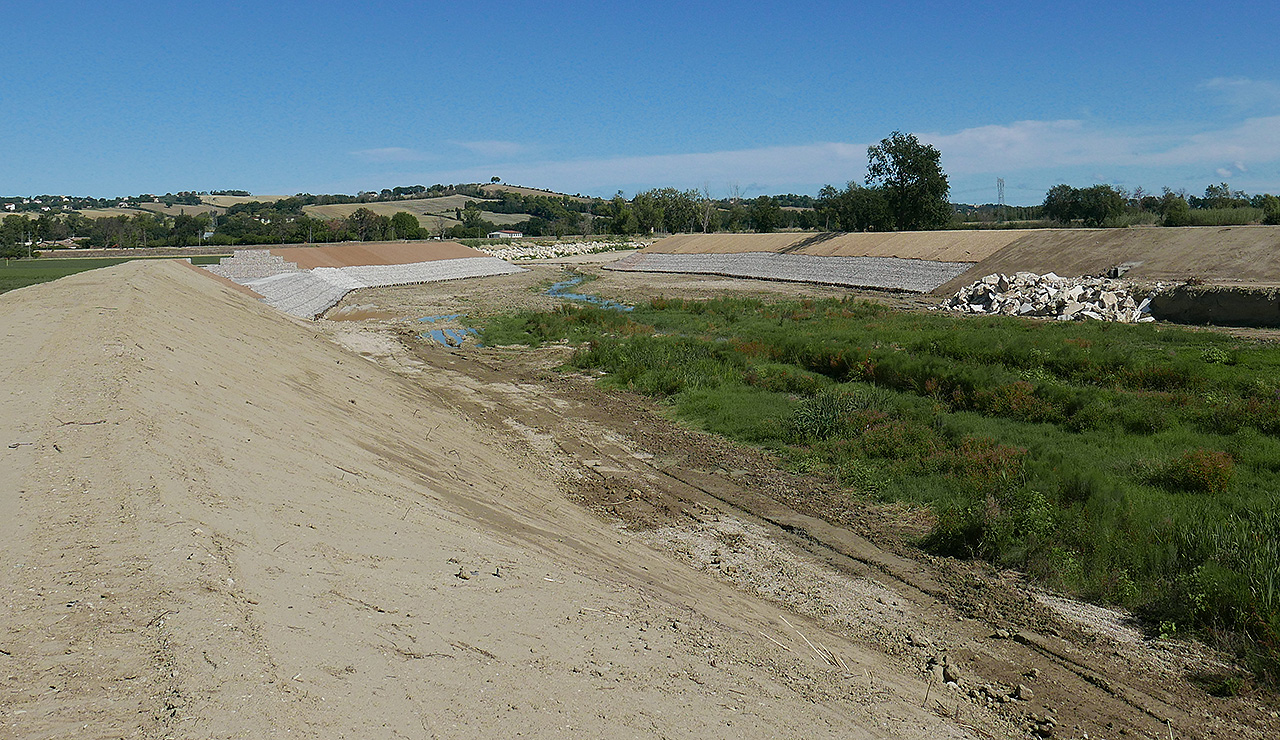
(616, 454)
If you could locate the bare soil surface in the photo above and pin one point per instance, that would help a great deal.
(945, 246)
(374, 253)
(801, 542)
(1219, 255)
(218, 521)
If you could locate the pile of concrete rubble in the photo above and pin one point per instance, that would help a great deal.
(1067, 299)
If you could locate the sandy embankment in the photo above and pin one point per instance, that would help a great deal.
(215, 522)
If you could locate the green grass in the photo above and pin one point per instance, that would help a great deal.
(16, 274)
(1133, 465)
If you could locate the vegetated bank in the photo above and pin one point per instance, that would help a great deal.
(1127, 464)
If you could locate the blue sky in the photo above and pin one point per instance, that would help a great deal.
(121, 98)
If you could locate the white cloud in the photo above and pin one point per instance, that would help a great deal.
(1000, 149)
(1252, 140)
(770, 166)
(1039, 144)
(1242, 92)
(391, 154)
(491, 149)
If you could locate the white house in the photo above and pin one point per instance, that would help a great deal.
(506, 234)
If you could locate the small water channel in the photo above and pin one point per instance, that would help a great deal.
(561, 290)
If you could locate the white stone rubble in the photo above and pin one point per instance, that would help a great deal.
(535, 251)
(1066, 299)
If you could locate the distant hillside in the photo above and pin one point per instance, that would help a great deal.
(427, 210)
(500, 188)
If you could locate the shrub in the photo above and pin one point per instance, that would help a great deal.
(1010, 528)
(1198, 471)
(1213, 355)
(897, 439)
(987, 465)
(1224, 216)
(1017, 400)
(828, 414)
(784, 379)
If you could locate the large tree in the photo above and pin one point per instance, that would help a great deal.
(405, 225)
(853, 209)
(1099, 203)
(1092, 205)
(765, 214)
(911, 177)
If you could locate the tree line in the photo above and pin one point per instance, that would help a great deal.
(1105, 205)
(905, 188)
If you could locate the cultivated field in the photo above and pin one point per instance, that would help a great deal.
(178, 210)
(426, 209)
(16, 274)
(231, 200)
(529, 191)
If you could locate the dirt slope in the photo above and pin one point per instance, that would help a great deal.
(801, 543)
(216, 522)
(944, 246)
(374, 253)
(1226, 255)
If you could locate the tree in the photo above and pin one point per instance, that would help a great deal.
(913, 181)
(1093, 205)
(1175, 209)
(1270, 205)
(649, 212)
(863, 209)
(765, 214)
(706, 207)
(622, 220)
(367, 225)
(1099, 203)
(679, 209)
(406, 225)
(1222, 196)
(186, 230)
(825, 207)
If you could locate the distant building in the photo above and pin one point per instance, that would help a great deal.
(506, 234)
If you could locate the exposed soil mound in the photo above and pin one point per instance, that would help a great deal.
(1230, 255)
(374, 253)
(942, 246)
(216, 522)
(1227, 255)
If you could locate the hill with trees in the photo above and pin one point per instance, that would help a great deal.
(905, 189)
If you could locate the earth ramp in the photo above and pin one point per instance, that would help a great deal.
(220, 523)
